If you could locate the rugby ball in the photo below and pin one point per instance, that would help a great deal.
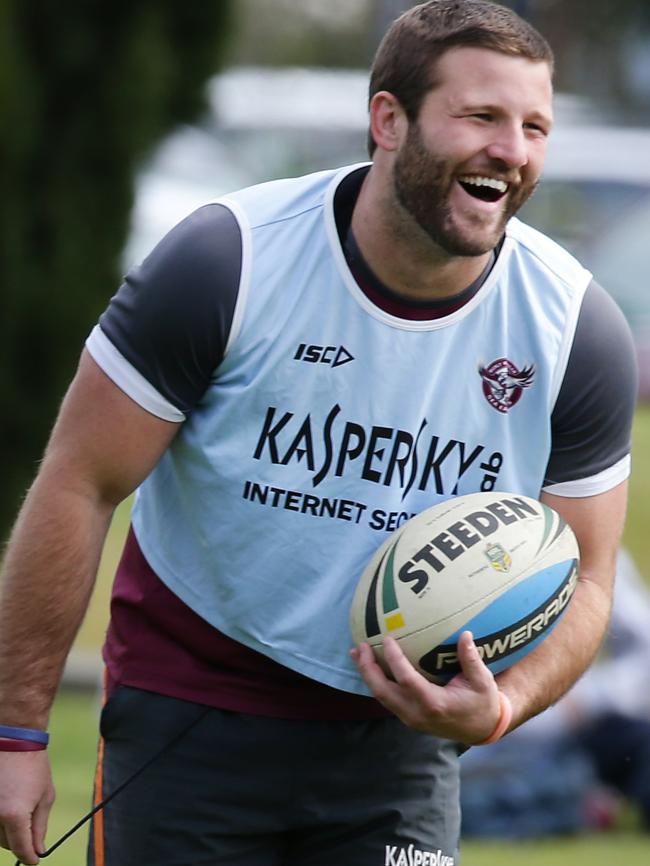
(503, 566)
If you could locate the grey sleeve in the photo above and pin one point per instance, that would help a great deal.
(592, 419)
(172, 316)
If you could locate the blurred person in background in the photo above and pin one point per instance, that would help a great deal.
(572, 767)
(289, 371)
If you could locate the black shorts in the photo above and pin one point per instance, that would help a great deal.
(240, 789)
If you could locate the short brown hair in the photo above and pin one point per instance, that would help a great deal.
(405, 61)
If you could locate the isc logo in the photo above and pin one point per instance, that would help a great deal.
(335, 356)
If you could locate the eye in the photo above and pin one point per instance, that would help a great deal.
(483, 115)
(537, 128)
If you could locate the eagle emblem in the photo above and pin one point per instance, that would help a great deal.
(503, 383)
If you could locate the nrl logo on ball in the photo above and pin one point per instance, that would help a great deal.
(499, 558)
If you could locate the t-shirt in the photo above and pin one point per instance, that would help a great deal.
(162, 338)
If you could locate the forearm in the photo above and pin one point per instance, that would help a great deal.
(48, 575)
(542, 677)
(102, 447)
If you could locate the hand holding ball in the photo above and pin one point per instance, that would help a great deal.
(503, 566)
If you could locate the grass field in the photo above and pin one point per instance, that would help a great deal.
(74, 722)
(637, 536)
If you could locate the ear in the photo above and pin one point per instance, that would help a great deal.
(388, 122)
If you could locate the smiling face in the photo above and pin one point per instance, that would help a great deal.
(475, 153)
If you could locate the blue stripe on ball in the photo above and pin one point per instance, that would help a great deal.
(517, 603)
(506, 615)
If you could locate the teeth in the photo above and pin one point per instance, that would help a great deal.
(492, 182)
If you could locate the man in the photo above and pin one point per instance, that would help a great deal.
(287, 373)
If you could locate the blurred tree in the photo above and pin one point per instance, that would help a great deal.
(86, 89)
(601, 49)
(310, 33)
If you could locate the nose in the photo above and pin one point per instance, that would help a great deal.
(509, 146)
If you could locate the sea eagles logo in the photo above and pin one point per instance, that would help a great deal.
(503, 383)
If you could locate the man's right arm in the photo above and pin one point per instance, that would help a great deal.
(102, 446)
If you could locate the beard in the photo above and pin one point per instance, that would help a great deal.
(423, 184)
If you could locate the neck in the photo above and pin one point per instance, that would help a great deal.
(414, 266)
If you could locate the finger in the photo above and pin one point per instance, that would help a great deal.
(19, 840)
(475, 671)
(407, 675)
(384, 689)
(403, 670)
(367, 663)
(39, 822)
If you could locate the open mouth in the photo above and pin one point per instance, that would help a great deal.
(483, 188)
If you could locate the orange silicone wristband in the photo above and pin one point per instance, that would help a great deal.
(504, 721)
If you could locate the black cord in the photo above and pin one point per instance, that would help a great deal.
(204, 712)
